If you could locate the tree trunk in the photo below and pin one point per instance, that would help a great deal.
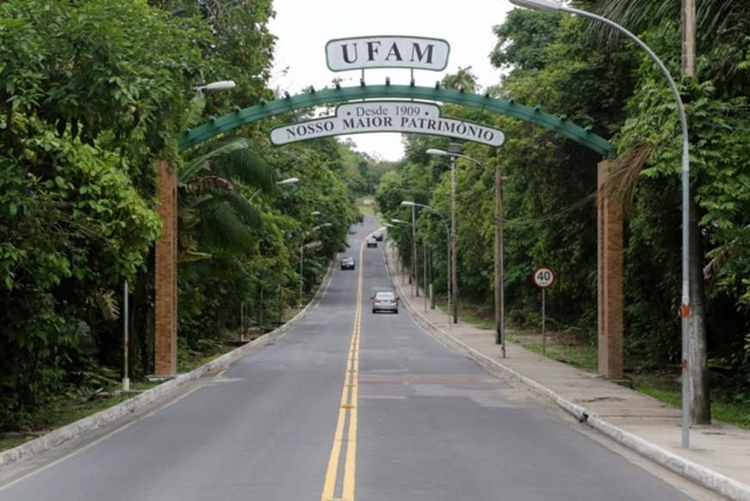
(700, 403)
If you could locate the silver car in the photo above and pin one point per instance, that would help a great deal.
(385, 301)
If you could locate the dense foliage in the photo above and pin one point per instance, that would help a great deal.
(571, 67)
(87, 109)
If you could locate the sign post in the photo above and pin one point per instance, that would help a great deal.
(543, 278)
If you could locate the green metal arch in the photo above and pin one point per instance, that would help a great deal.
(338, 95)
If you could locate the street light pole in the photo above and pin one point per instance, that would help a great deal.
(126, 340)
(425, 292)
(453, 149)
(301, 269)
(499, 261)
(685, 311)
(414, 269)
(406, 203)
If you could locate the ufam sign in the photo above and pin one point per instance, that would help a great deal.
(387, 52)
(387, 116)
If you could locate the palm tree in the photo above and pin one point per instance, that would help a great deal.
(213, 214)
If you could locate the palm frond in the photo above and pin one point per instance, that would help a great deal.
(244, 209)
(204, 161)
(195, 111)
(107, 304)
(208, 184)
(220, 227)
(193, 256)
(638, 16)
(623, 179)
(712, 269)
(247, 166)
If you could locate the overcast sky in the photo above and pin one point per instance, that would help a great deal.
(304, 27)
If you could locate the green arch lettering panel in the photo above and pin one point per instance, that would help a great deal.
(339, 95)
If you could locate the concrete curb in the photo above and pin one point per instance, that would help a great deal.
(705, 477)
(54, 438)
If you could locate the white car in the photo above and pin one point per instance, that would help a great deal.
(385, 301)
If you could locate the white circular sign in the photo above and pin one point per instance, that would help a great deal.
(543, 277)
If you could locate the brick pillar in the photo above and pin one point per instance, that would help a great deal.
(610, 280)
(165, 342)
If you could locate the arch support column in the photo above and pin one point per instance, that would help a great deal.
(165, 283)
(610, 279)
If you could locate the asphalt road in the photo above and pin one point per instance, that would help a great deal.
(348, 403)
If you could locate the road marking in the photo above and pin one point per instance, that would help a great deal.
(347, 409)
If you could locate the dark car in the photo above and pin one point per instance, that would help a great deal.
(347, 263)
(371, 242)
(385, 301)
(378, 236)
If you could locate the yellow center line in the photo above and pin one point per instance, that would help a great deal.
(347, 408)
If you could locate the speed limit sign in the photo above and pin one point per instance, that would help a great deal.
(543, 277)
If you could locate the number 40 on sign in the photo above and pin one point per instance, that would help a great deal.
(543, 277)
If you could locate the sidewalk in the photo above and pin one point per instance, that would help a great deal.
(718, 457)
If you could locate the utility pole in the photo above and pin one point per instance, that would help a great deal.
(688, 38)
(414, 269)
(301, 268)
(700, 407)
(425, 292)
(499, 264)
(454, 149)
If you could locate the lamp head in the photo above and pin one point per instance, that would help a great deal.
(537, 4)
(291, 180)
(220, 85)
(407, 203)
(437, 152)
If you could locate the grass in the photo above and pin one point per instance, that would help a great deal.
(559, 346)
(9, 443)
(470, 314)
(189, 359)
(65, 411)
(366, 209)
(288, 314)
(666, 387)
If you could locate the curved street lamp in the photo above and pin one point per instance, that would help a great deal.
(499, 266)
(685, 308)
(214, 86)
(453, 150)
